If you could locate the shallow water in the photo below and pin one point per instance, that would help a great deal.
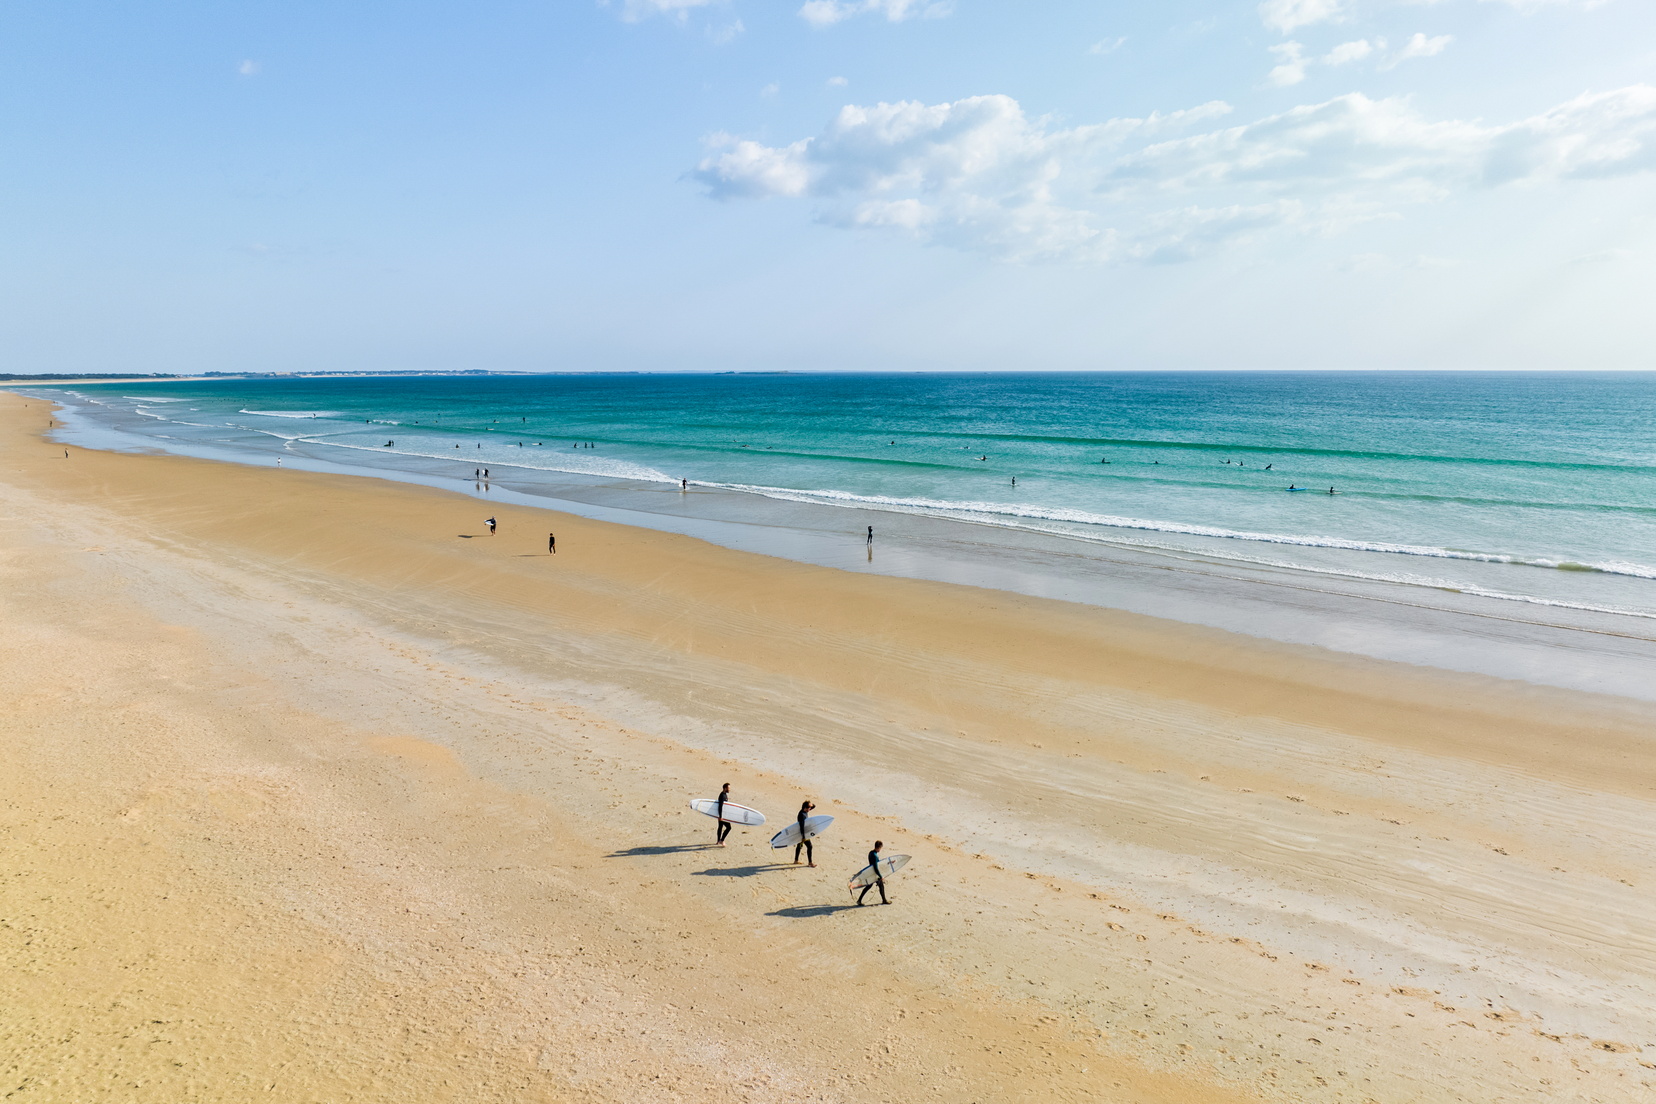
(1524, 499)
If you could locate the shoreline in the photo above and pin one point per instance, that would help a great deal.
(1452, 629)
(1152, 859)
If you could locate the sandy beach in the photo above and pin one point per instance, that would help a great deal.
(312, 790)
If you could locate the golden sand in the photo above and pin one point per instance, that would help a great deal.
(310, 790)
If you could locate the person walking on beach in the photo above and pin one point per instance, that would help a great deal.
(871, 535)
(490, 522)
(804, 843)
(552, 543)
(874, 861)
(485, 473)
(724, 825)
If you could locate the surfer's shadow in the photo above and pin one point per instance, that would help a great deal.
(739, 871)
(805, 912)
(670, 849)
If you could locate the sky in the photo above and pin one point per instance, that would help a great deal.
(827, 185)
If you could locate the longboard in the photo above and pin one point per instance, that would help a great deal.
(736, 814)
(814, 826)
(889, 865)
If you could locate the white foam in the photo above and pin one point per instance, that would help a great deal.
(294, 413)
(994, 512)
(578, 465)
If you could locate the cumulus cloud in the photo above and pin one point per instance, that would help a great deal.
(825, 13)
(1293, 64)
(1357, 142)
(1290, 66)
(1347, 52)
(979, 174)
(1420, 47)
(1289, 15)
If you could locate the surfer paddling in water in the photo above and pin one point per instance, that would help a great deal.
(804, 840)
(724, 825)
(874, 861)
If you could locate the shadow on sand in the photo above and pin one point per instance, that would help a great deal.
(739, 871)
(668, 850)
(805, 912)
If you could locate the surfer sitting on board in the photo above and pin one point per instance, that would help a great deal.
(874, 861)
(804, 840)
(724, 825)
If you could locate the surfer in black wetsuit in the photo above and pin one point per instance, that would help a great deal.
(724, 825)
(804, 844)
(874, 861)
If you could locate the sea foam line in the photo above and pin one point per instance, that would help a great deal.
(1083, 517)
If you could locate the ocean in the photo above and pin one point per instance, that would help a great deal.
(1523, 497)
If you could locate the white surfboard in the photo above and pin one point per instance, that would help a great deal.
(736, 814)
(889, 865)
(814, 827)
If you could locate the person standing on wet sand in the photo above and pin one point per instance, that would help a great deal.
(724, 825)
(874, 861)
(552, 543)
(870, 534)
(804, 843)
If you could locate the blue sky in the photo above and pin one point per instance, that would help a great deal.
(831, 184)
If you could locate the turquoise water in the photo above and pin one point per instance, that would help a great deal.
(1537, 488)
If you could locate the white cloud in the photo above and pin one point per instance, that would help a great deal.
(634, 10)
(975, 174)
(1290, 67)
(1347, 52)
(1107, 45)
(1288, 15)
(825, 13)
(837, 82)
(770, 90)
(248, 68)
(1420, 47)
(1356, 142)
(978, 174)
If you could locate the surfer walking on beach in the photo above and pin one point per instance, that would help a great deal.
(490, 522)
(552, 543)
(804, 840)
(724, 825)
(874, 861)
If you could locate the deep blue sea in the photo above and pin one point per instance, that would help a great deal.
(1521, 487)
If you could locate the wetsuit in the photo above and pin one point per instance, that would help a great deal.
(803, 843)
(724, 825)
(874, 861)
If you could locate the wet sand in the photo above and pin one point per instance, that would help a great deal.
(310, 789)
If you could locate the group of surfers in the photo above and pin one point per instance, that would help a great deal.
(804, 844)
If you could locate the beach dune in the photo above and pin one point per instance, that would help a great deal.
(311, 789)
